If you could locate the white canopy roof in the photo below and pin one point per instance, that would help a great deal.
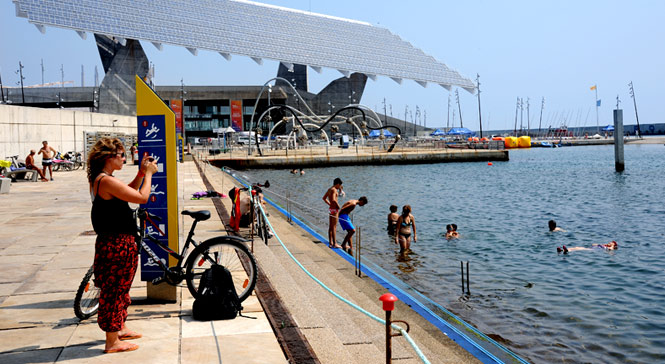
(250, 29)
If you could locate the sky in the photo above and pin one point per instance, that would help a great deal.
(554, 50)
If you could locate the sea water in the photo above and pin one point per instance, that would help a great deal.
(588, 306)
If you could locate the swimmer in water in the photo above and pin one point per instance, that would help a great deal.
(451, 231)
(553, 227)
(612, 245)
(392, 220)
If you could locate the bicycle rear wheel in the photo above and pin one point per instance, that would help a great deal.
(225, 251)
(263, 228)
(86, 302)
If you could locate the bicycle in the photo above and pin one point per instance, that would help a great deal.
(259, 224)
(228, 251)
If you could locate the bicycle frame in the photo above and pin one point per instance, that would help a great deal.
(143, 245)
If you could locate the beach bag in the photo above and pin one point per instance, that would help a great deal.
(218, 298)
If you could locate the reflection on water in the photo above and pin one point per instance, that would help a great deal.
(587, 306)
(407, 261)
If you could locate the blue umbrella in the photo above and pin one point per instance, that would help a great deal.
(608, 128)
(438, 132)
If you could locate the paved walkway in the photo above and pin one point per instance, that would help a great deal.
(45, 249)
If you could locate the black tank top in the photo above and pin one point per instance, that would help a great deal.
(111, 216)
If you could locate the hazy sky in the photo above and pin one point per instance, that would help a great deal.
(534, 49)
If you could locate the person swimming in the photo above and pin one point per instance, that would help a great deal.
(612, 245)
(451, 231)
(553, 227)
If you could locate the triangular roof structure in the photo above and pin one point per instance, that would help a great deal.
(249, 29)
(377, 133)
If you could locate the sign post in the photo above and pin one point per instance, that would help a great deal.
(157, 139)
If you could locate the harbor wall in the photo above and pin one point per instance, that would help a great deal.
(23, 128)
(380, 158)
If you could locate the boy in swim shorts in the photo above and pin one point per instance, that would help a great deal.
(347, 225)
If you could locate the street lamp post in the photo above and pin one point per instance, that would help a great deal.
(182, 110)
(20, 72)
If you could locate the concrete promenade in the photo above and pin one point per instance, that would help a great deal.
(46, 247)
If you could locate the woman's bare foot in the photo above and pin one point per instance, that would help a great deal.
(114, 345)
(121, 347)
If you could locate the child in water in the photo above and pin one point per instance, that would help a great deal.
(612, 245)
(451, 231)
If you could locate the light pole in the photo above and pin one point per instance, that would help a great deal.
(21, 78)
(182, 110)
(2, 90)
(406, 108)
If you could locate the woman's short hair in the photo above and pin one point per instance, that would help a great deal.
(104, 149)
(393, 208)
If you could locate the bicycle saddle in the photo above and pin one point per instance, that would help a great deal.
(197, 215)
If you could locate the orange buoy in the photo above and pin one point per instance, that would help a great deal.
(489, 163)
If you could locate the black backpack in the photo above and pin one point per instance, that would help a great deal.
(219, 299)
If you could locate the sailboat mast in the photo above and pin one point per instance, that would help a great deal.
(480, 118)
(459, 107)
(517, 109)
(632, 94)
(540, 122)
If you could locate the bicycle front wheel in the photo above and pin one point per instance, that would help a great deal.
(86, 302)
(227, 252)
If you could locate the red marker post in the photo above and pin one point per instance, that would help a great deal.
(389, 300)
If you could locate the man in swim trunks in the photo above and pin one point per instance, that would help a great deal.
(346, 224)
(47, 158)
(330, 198)
(30, 164)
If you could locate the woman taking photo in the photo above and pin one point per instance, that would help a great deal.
(116, 253)
(404, 224)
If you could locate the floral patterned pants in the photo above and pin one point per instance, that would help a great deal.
(116, 260)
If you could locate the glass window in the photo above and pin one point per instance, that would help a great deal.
(225, 110)
(248, 110)
(190, 125)
(205, 125)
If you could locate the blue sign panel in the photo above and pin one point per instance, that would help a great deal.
(151, 130)
(152, 143)
(179, 139)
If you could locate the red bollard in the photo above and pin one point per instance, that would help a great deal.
(388, 300)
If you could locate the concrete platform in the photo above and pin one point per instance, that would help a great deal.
(45, 249)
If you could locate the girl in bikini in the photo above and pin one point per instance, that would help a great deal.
(404, 224)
